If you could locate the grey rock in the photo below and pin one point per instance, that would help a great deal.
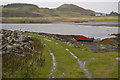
(13, 42)
(9, 47)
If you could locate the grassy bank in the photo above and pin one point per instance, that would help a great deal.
(65, 62)
(102, 65)
(54, 19)
(28, 66)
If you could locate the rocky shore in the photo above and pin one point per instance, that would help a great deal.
(14, 42)
(26, 22)
(98, 46)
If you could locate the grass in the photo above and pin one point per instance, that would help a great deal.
(29, 66)
(108, 41)
(83, 55)
(54, 19)
(103, 65)
(65, 62)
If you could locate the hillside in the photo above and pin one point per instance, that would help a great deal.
(31, 10)
(20, 10)
(73, 10)
(15, 5)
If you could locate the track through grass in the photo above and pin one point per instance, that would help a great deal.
(68, 67)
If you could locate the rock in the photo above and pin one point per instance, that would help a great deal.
(13, 42)
(21, 47)
(9, 47)
(84, 49)
(16, 45)
(36, 52)
(21, 38)
(8, 52)
(0, 52)
(22, 55)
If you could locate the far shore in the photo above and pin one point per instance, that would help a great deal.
(48, 20)
(56, 19)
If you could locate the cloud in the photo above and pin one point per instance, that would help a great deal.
(105, 7)
(29, 1)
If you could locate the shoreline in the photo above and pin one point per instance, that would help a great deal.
(53, 21)
(58, 19)
(91, 23)
(98, 46)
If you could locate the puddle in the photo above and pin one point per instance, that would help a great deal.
(50, 41)
(81, 63)
(54, 64)
(47, 40)
(118, 58)
(53, 69)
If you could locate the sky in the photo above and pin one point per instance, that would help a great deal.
(104, 6)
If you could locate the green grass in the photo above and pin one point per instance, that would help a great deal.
(65, 62)
(29, 66)
(10, 9)
(101, 66)
(104, 65)
(83, 55)
(25, 11)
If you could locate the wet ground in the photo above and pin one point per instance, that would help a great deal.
(98, 46)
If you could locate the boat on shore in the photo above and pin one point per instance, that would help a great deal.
(83, 39)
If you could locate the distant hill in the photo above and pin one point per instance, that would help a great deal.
(73, 11)
(20, 10)
(74, 8)
(31, 10)
(15, 5)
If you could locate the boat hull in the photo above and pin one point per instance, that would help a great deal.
(83, 39)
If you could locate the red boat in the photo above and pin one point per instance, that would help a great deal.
(83, 39)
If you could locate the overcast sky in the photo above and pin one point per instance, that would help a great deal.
(105, 6)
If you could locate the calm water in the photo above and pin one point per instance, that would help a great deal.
(65, 28)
